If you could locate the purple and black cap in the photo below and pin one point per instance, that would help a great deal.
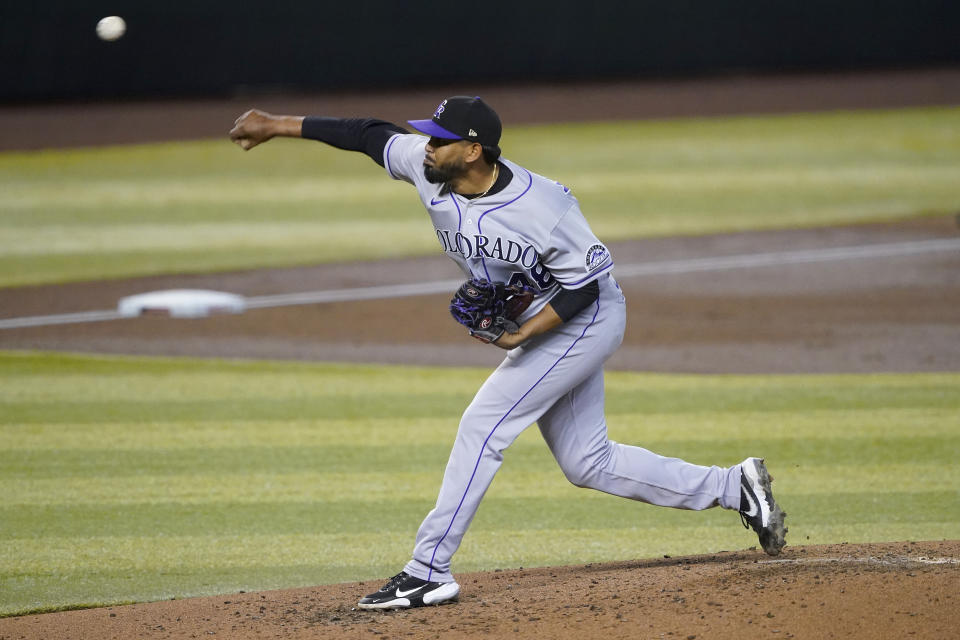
(463, 118)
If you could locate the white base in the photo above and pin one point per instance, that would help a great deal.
(181, 303)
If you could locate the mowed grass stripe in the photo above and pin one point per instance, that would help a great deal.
(260, 405)
(19, 269)
(46, 463)
(377, 486)
(67, 377)
(198, 552)
(790, 193)
(638, 428)
(499, 513)
(242, 409)
(29, 382)
(90, 203)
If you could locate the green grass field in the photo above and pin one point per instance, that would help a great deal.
(132, 479)
(200, 206)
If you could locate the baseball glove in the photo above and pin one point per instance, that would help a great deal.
(488, 309)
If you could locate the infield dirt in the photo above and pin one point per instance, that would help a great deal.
(899, 314)
(896, 590)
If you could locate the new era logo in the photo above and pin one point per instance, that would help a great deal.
(472, 133)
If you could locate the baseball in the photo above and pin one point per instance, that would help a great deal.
(111, 28)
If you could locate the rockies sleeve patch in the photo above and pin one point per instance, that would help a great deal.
(596, 256)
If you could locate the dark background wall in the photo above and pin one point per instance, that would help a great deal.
(48, 50)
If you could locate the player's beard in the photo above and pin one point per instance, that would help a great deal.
(445, 175)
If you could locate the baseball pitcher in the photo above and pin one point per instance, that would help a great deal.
(539, 284)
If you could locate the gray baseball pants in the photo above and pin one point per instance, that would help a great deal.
(556, 380)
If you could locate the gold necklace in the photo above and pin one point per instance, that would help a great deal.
(496, 172)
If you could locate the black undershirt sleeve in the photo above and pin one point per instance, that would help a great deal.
(569, 302)
(368, 135)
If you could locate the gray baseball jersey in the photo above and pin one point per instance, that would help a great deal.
(533, 230)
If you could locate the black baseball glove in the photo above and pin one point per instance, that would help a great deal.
(488, 309)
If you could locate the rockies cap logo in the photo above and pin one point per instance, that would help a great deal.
(463, 118)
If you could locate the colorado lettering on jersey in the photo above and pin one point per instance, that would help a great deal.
(481, 246)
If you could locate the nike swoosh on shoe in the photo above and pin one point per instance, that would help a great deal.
(404, 594)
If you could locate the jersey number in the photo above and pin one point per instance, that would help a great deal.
(537, 276)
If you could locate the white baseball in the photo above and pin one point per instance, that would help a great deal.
(111, 28)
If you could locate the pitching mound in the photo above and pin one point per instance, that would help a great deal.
(891, 590)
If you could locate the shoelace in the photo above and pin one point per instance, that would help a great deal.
(394, 581)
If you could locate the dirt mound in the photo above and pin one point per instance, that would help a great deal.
(890, 590)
